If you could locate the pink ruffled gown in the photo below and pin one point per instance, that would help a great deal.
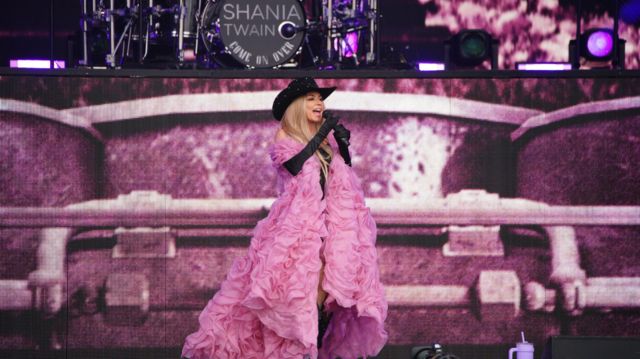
(266, 307)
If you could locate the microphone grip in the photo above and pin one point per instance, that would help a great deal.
(344, 141)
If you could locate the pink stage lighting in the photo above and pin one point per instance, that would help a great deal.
(349, 44)
(430, 66)
(543, 66)
(35, 64)
(600, 43)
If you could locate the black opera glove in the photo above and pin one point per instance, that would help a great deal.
(342, 136)
(295, 163)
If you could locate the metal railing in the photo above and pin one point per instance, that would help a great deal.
(43, 290)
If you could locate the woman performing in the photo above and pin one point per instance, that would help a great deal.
(309, 285)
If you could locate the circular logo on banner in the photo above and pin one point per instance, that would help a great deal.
(261, 33)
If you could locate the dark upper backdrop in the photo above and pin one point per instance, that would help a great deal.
(531, 30)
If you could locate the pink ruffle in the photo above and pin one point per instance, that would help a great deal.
(266, 307)
(351, 271)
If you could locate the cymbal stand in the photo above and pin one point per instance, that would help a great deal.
(329, 31)
(181, 14)
(140, 31)
(111, 56)
(152, 12)
(373, 53)
(198, 27)
(313, 28)
(133, 13)
(126, 33)
(85, 32)
(95, 17)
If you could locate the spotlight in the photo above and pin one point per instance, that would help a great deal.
(597, 46)
(470, 48)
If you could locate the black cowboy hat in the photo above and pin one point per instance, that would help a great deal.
(296, 88)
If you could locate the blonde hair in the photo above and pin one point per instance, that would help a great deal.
(295, 124)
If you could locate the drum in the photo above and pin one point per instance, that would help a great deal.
(165, 18)
(190, 10)
(350, 21)
(254, 33)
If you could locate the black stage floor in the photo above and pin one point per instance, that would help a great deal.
(336, 74)
(388, 352)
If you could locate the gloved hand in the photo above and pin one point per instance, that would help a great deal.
(342, 136)
(295, 163)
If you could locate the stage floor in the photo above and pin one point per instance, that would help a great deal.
(370, 72)
(388, 352)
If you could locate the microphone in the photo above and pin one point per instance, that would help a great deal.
(288, 30)
(344, 141)
(339, 127)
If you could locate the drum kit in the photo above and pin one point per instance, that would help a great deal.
(237, 34)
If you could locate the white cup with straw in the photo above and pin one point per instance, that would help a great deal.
(523, 350)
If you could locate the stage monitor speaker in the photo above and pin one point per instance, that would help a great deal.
(576, 347)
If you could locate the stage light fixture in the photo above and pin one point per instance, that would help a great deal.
(543, 66)
(35, 64)
(431, 66)
(600, 44)
(470, 48)
(597, 46)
